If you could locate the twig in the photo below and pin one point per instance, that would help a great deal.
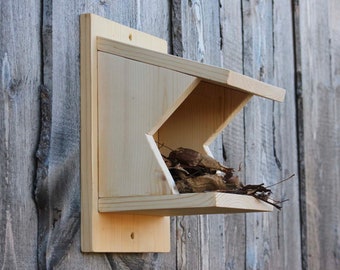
(267, 201)
(282, 181)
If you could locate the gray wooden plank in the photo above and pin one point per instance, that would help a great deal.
(334, 20)
(188, 242)
(201, 31)
(262, 230)
(320, 98)
(300, 135)
(233, 135)
(153, 17)
(20, 65)
(284, 137)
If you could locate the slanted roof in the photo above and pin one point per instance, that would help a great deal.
(212, 74)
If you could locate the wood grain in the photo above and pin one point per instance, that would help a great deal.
(124, 95)
(205, 72)
(230, 149)
(130, 107)
(197, 39)
(65, 28)
(111, 232)
(262, 249)
(201, 117)
(318, 60)
(184, 204)
(20, 77)
(195, 30)
(284, 144)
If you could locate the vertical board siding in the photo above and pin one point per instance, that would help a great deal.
(284, 136)
(262, 230)
(232, 154)
(271, 147)
(20, 77)
(292, 44)
(203, 239)
(320, 50)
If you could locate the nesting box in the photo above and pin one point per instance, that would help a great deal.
(135, 97)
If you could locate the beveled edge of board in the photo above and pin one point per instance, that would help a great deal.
(184, 204)
(206, 72)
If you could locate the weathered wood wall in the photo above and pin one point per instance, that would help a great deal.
(20, 66)
(292, 44)
(318, 68)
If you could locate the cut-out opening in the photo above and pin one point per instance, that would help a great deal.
(199, 119)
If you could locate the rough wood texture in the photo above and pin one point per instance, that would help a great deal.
(320, 94)
(267, 130)
(198, 30)
(261, 249)
(284, 143)
(230, 147)
(197, 37)
(20, 77)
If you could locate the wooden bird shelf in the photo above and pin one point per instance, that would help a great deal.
(134, 95)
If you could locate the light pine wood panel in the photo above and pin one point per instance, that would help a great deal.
(110, 232)
(319, 62)
(154, 18)
(208, 73)
(184, 204)
(134, 101)
(124, 95)
(20, 77)
(201, 117)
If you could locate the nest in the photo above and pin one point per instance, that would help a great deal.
(194, 172)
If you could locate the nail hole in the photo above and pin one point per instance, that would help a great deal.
(130, 36)
(132, 235)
